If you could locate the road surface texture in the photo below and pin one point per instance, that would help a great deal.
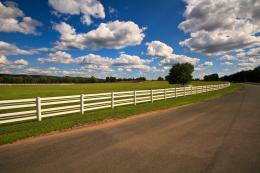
(217, 136)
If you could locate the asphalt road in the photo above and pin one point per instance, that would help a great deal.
(221, 135)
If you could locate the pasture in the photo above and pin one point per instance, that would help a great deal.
(32, 91)
(15, 131)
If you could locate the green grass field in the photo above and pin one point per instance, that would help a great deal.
(16, 131)
(32, 91)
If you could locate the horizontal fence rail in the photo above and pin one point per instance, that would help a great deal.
(39, 108)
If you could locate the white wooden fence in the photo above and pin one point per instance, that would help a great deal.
(38, 108)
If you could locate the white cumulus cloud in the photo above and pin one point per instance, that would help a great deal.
(125, 59)
(160, 49)
(157, 48)
(99, 63)
(88, 9)
(221, 26)
(20, 62)
(111, 35)
(132, 62)
(3, 59)
(227, 63)
(11, 49)
(244, 59)
(12, 19)
(206, 64)
(57, 57)
(228, 57)
(5, 63)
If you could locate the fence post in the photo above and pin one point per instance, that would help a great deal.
(112, 99)
(175, 92)
(39, 111)
(82, 104)
(152, 96)
(164, 94)
(206, 88)
(184, 91)
(191, 90)
(134, 97)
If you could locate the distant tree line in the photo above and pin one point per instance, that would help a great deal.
(211, 77)
(27, 79)
(244, 76)
(10, 78)
(114, 79)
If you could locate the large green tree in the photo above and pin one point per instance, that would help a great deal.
(180, 73)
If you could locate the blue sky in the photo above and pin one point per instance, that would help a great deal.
(128, 38)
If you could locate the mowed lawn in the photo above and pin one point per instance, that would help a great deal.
(32, 91)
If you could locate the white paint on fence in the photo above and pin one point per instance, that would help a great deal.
(38, 108)
(135, 98)
(82, 100)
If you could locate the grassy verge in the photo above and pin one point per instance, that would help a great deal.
(13, 132)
